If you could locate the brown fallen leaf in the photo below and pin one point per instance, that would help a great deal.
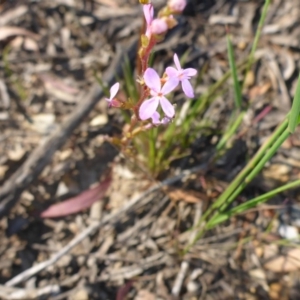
(259, 90)
(188, 196)
(288, 262)
(8, 31)
(78, 203)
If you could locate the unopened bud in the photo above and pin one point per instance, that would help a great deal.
(177, 6)
(159, 26)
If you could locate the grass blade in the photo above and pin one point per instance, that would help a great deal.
(236, 84)
(250, 204)
(295, 110)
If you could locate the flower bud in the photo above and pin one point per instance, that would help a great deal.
(177, 6)
(159, 26)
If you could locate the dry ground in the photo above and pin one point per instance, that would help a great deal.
(128, 244)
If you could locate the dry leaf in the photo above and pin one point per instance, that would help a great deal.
(13, 14)
(8, 31)
(188, 196)
(3, 170)
(285, 263)
(222, 19)
(43, 123)
(259, 90)
(17, 153)
(31, 45)
(78, 203)
(277, 172)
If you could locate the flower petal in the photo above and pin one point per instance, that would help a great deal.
(148, 13)
(177, 62)
(156, 118)
(167, 107)
(171, 72)
(189, 72)
(187, 88)
(170, 85)
(148, 108)
(113, 90)
(152, 80)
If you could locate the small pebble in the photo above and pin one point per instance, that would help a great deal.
(193, 286)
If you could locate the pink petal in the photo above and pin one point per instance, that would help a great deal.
(148, 108)
(177, 62)
(114, 89)
(167, 107)
(148, 13)
(189, 72)
(165, 121)
(187, 88)
(152, 80)
(78, 203)
(170, 85)
(171, 72)
(156, 118)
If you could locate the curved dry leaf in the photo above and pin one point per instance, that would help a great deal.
(13, 14)
(285, 263)
(78, 203)
(8, 31)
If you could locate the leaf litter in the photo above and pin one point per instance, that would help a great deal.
(49, 56)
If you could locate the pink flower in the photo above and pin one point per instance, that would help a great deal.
(177, 5)
(149, 107)
(113, 92)
(183, 75)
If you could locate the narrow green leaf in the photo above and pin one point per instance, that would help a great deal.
(250, 204)
(295, 110)
(236, 84)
